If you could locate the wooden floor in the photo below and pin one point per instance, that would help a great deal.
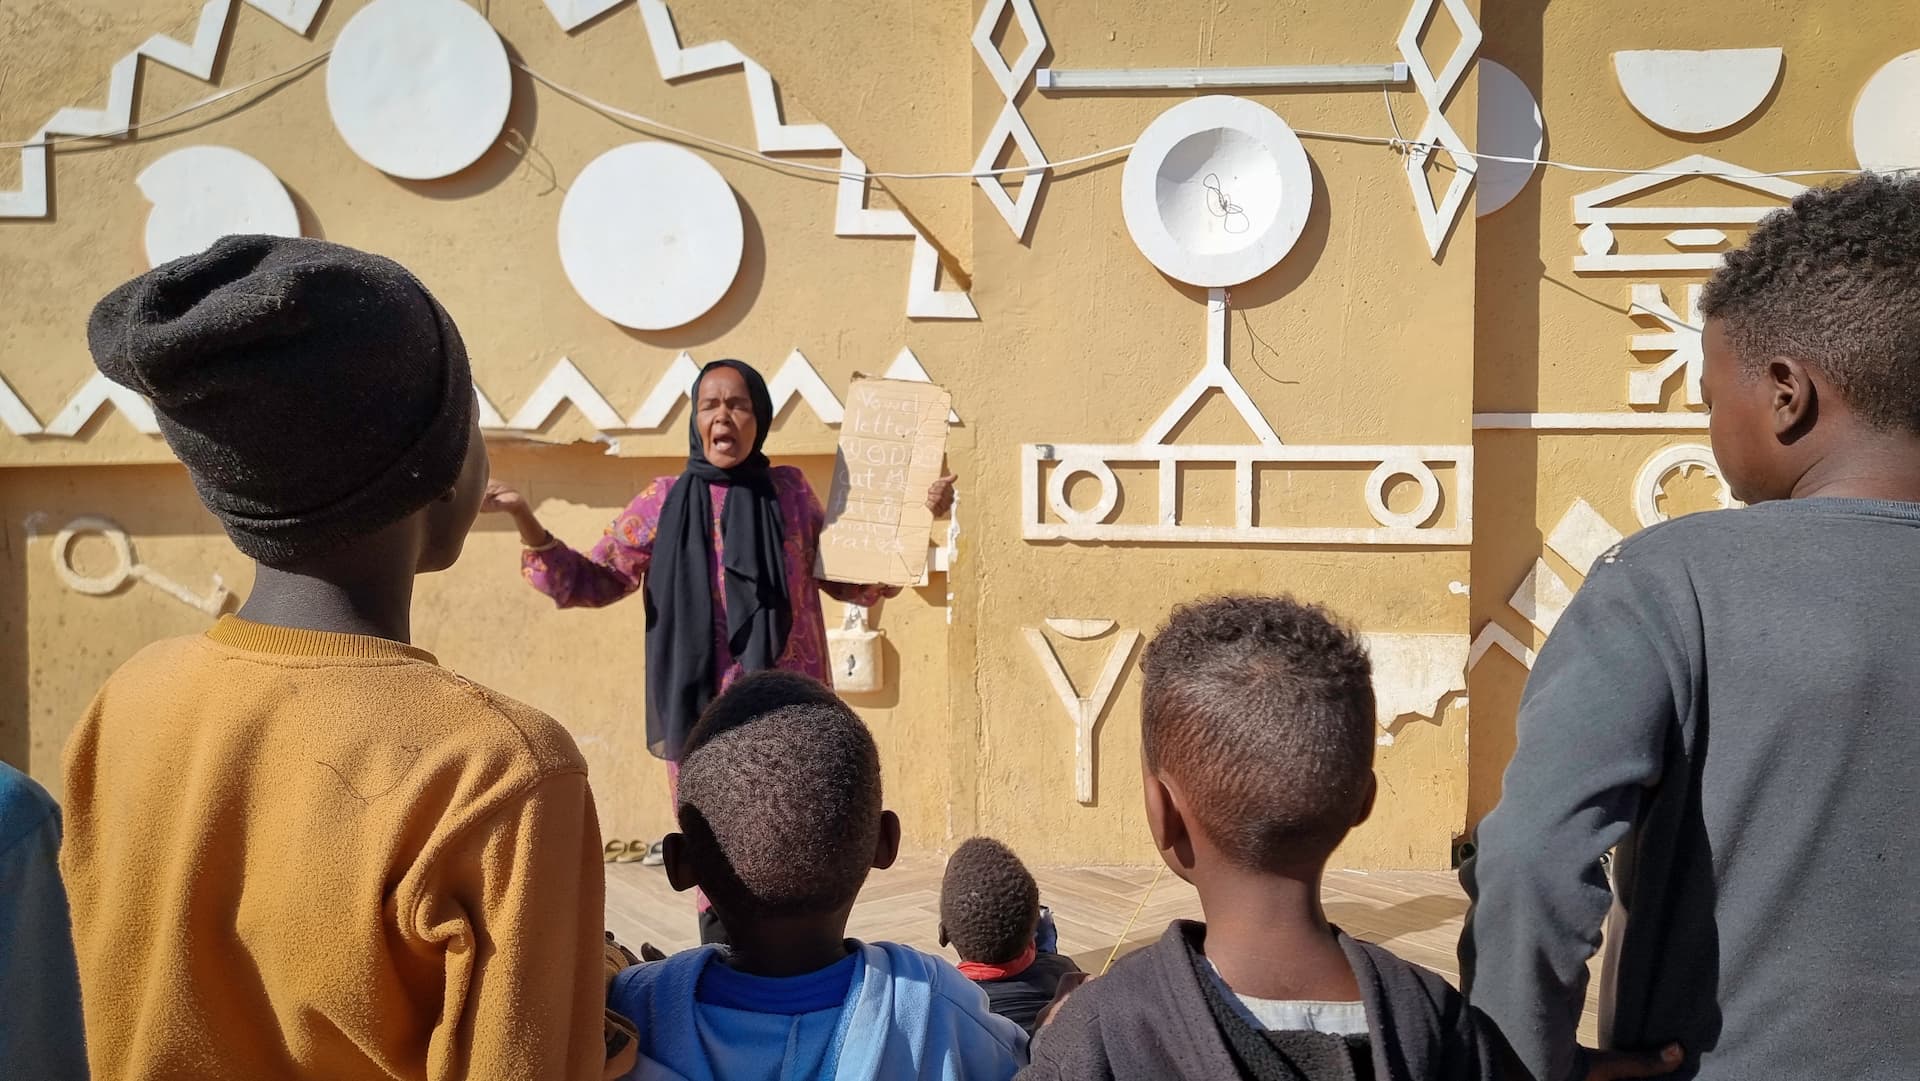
(1416, 914)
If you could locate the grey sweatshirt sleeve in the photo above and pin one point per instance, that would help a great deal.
(1595, 724)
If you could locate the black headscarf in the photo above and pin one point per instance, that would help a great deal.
(679, 593)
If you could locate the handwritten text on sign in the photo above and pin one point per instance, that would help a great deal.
(892, 442)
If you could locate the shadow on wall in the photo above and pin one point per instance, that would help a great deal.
(1508, 271)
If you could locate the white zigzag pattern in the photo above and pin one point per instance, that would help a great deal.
(111, 120)
(565, 384)
(851, 218)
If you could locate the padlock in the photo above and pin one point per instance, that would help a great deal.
(853, 649)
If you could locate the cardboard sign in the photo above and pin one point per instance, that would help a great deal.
(893, 440)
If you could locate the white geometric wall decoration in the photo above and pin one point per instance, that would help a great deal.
(1681, 460)
(15, 414)
(419, 89)
(571, 13)
(125, 568)
(1011, 127)
(197, 59)
(651, 235)
(202, 193)
(798, 379)
(1596, 217)
(1437, 219)
(295, 15)
(1697, 91)
(1046, 513)
(906, 366)
(95, 394)
(851, 218)
(487, 413)
(675, 385)
(1017, 210)
(1216, 191)
(1085, 710)
(1582, 537)
(1886, 116)
(1414, 675)
(1510, 126)
(565, 384)
(1679, 339)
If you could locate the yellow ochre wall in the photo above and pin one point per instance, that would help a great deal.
(1360, 337)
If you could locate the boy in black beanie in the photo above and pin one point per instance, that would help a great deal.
(297, 847)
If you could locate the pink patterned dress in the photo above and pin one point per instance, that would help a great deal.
(618, 565)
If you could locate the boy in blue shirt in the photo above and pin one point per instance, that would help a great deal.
(780, 821)
(41, 1035)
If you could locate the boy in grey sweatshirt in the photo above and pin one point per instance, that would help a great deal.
(1732, 703)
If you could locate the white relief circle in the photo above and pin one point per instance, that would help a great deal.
(93, 585)
(1070, 468)
(651, 235)
(1216, 191)
(1421, 474)
(1510, 126)
(1886, 117)
(202, 193)
(1675, 459)
(419, 89)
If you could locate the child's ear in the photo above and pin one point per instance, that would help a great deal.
(678, 861)
(1166, 821)
(943, 933)
(886, 848)
(1366, 805)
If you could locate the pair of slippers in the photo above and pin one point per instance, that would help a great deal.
(640, 852)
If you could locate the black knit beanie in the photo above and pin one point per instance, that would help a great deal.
(317, 394)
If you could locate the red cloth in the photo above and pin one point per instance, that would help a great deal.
(977, 971)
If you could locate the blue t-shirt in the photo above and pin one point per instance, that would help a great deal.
(821, 989)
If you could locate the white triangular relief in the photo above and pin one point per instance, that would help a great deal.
(96, 393)
(565, 383)
(798, 377)
(907, 366)
(15, 414)
(676, 383)
(572, 13)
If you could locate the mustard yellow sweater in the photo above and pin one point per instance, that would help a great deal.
(304, 855)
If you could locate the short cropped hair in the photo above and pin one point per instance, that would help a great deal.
(1261, 710)
(1834, 281)
(752, 695)
(783, 804)
(989, 902)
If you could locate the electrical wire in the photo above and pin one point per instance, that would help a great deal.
(1396, 142)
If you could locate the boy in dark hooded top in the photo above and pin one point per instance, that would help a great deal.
(1257, 740)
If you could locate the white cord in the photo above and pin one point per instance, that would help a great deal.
(223, 95)
(1395, 141)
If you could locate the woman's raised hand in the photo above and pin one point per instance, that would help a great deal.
(940, 496)
(502, 499)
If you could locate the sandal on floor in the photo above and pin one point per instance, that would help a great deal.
(636, 851)
(613, 851)
(656, 855)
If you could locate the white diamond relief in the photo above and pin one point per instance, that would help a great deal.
(1018, 210)
(1011, 78)
(1437, 220)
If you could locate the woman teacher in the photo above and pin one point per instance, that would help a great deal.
(724, 553)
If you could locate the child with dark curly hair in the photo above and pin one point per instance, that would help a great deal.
(1257, 738)
(781, 820)
(990, 914)
(1732, 701)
